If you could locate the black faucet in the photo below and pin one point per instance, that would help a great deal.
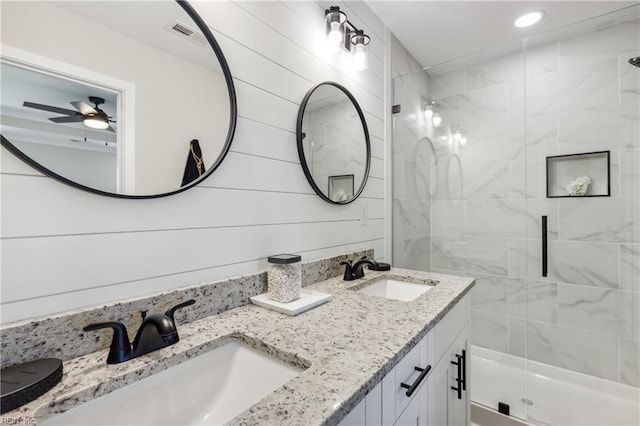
(156, 331)
(355, 271)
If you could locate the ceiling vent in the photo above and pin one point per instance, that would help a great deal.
(186, 32)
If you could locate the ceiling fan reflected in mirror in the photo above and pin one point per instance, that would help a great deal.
(91, 116)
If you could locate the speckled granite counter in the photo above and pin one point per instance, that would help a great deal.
(348, 345)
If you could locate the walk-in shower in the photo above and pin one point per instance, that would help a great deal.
(470, 194)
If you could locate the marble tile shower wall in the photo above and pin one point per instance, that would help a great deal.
(579, 95)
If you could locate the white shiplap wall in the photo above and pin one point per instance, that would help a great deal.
(63, 248)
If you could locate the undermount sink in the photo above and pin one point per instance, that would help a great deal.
(210, 389)
(395, 289)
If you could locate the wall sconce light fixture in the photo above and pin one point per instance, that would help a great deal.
(459, 135)
(428, 109)
(360, 42)
(431, 111)
(436, 119)
(343, 34)
(334, 21)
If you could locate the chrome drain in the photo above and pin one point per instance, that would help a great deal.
(526, 401)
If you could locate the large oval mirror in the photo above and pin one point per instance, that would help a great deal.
(333, 143)
(129, 98)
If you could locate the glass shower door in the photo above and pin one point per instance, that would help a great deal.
(583, 325)
(460, 202)
(413, 163)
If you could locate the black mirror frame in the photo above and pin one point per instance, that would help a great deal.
(233, 107)
(299, 138)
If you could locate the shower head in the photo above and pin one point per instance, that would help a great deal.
(635, 61)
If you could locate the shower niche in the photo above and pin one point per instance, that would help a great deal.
(579, 175)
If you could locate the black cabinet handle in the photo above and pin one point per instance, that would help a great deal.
(459, 380)
(544, 246)
(412, 388)
(464, 370)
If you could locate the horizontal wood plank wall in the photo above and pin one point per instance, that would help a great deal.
(63, 248)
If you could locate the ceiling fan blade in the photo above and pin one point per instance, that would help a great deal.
(77, 118)
(49, 108)
(84, 108)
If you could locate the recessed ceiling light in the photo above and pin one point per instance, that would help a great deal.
(528, 19)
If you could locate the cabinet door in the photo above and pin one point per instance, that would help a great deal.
(459, 406)
(461, 409)
(438, 394)
(411, 415)
(357, 416)
(368, 412)
(444, 406)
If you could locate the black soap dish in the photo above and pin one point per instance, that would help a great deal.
(379, 266)
(22, 383)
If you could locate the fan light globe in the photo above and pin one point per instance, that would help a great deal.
(96, 122)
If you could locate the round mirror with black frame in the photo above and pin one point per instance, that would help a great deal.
(126, 99)
(333, 143)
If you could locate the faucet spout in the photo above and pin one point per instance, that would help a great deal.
(156, 332)
(358, 267)
(355, 271)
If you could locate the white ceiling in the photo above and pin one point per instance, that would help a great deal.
(436, 32)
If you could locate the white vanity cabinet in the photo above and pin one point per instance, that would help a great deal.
(444, 351)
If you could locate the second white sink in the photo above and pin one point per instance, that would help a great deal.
(395, 289)
(210, 389)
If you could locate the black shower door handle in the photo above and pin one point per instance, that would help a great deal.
(544, 246)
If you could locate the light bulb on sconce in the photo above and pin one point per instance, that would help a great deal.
(457, 135)
(360, 42)
(342, 34)
(428, 108)
(334, 20)
(335, 35)
(436, 119)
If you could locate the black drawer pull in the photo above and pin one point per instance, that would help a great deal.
(412, 388)
(464, 370)
(459, 379)
(544, 246)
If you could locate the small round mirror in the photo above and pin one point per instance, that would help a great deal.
(333, 143)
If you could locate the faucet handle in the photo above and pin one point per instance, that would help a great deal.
(120, 349)
(171, 311)
(348, 272)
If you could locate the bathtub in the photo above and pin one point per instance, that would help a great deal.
(550, 395)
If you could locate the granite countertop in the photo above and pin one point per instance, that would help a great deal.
(348, 345)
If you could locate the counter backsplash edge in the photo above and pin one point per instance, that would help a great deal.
(61, 336)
